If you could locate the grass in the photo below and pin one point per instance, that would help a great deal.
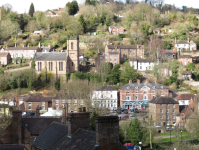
(172, 133)
(173, 139)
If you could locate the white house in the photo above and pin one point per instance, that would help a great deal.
(142, 64)
(184, 99)
(105, 97)
(185, 45)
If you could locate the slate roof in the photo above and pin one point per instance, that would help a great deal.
(164, 100)
(62, 95)
(105, 88)
(39, 56)
(22, 48)
(185, 56)
(141, 85)
(37, 98)
(49, 137)
(4, 54)
(124, 46)
(182, 42)
(11, 147)
(36, 125)
(141, 60)
(184, 96)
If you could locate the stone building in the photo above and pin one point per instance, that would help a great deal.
(59, 62)
(164, 110)
(117, 54)
(5, 58)
(138, 95)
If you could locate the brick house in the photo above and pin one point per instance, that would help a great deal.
(115, 30)
(59, 62)
(117, 54)
(31, 102)
(5, 58)
(138, 95)
(23, 130)
(78, 135)
(185, 59)
(74, 101)
(164, 110)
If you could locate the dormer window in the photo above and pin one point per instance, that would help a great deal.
(127, 93)
(128, 87)
(153, 87)
(162, 87)
(136, 87)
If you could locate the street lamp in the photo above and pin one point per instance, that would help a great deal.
(181, 136)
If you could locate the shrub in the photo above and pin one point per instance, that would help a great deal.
(121, 35)
(187, 87)
(194, 91)
(167, 82)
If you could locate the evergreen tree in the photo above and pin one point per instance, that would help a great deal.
(121, 136)
(135, 132)
(82, 22)
(57, 84)
(31, 10)
(87, 2)
(115, 74)
(70, 8)
(128, 73)
(108, 21)
(75, 6)
(174, 74)
(93, 116)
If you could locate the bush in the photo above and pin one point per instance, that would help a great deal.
(194, 91)
(121, 35)
(68, 76)
(167, 82)
(187, 87)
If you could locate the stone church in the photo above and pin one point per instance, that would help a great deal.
(59, 62)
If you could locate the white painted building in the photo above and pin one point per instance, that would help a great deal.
(184, 99)
(142, 64)
(185, 45)
(105, 97)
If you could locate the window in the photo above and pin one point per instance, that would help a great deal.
(167, 110)
(60, 66)
(167, 105)
(136, 97)
(102, 96)
(128, 98)
(161, 111)
(173, 110)
(161, 105)
(82, 101)
(136, 92)
(75, 101)
(167, 117)
(43, 105)
(153, 96)
(63, 101)
(140, 67)
(39, 66)
(145, 97)
(153, 87)
(127, 93)
(112, 50)
(173, 105)
(111, 96)
(57, 106)
(145, 92)
(30, 106)
(153, 91)
(161, 116)
(57, 101)
(72, 45)
(174, 117)
(50, 66)
(136, 87)
(162, 92)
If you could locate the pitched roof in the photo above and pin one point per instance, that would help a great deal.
(141, 85)
(185, 56)
(22, 48)
(49, 137)
(141, 60)
(105, 88)
(37, 125)
(37, 98)
(164, 100)
(11, 147)
(50, 56)
(4, 54)
(190, 114)
(124, 46)
(182, 42)
(184, 96)
(62, 95)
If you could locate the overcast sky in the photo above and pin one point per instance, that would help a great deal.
(22, 6)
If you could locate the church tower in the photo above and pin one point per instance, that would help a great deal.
(73, 54)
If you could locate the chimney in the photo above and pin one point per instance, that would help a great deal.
(104, 84)
(84, 109)
(138, 81)
(107, 131)
(147, 80)
(37, 111)
(130, 81)
(155, 81)
(80, 109)
(78, 120)
(39, 44)
(64, 114)
(17, 126)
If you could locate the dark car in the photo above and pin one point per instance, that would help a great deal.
(122, 110)
(133, 115)
(119, 111)
(134, 109)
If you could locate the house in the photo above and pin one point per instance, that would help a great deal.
(5, 58)
(185, 59)
(38, 32)
(166, 13)
(184, 100)
(21, 52)
(23, 130)
(156, 31)
(142, 64)
(76, 135)
(105, 97)
(165, 71)
(33, 100)
(74, 101)
(51, 13)
(187, 75)
(47, 49)
(164, 110)
(185, 45)
(117, 54)
(59, 62)
(138, 95)
(168, 54)
(116, 30)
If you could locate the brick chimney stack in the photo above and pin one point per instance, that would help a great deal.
(64, 114)
(107, 131)
(138, 81)
(130, 81)
(78, 120)
(17, 126)
(147, 80)
(37, 111)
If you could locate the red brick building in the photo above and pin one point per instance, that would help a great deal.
(185, 59)
(115, 30)
(164, 110)
(139, 94)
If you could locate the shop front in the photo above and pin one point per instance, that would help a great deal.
(135, 104)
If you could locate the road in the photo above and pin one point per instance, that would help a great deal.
(17, 69)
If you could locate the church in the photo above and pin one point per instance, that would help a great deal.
(59, 62)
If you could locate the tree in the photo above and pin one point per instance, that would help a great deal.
(75, 6)
(128, 73)
(57, 84)
(108, 22)
(105, 69)
(167, 44)
(93, 116)
(174, 74)
(31, 10)
(70, 8)
(115, 74)
(191, 66)
(121, 136)
(134, 132)
(82, 22)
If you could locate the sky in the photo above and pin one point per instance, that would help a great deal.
(22, 6)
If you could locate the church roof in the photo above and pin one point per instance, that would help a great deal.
(39, 56)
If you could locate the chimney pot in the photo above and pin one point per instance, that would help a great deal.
(84, 109)
(80, 109)
(130, 81)
(37, 111)
(138, 81)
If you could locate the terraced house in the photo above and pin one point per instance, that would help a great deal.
(138, 95)
(117, 54)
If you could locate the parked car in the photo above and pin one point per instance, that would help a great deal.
(123, 116)
(143, 109)
(134, 109)
(126, 112)
(119, 111)
(123, 109)
(133, 115)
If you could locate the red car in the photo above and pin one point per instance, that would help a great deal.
(143, 109)
(123, 116)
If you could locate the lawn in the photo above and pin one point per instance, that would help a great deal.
(173, 139)
(173, 133)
